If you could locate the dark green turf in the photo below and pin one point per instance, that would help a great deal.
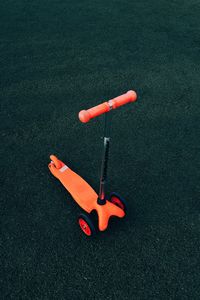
(57, 57)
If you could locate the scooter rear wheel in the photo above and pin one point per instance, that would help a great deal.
(119, 201)
(86, 224)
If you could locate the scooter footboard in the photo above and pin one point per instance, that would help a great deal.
(79, 189)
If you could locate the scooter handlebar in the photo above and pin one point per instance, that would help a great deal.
(86, 115)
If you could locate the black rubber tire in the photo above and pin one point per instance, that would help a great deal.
(119, 201)
(86, 225)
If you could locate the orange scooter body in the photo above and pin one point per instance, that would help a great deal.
(80, 190)
(83, 193)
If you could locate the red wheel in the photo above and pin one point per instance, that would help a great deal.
(86, 225)
(118, 201)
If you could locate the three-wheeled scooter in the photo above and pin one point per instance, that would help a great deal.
(85, 196)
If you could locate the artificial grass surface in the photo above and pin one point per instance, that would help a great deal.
(58, 57)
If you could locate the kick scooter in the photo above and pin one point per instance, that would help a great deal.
(80, 190)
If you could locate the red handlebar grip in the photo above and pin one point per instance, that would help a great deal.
(86, 115)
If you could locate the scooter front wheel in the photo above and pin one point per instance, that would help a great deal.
(86, 224)
(119, 201)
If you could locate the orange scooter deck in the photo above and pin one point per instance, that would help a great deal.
(83, 193)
